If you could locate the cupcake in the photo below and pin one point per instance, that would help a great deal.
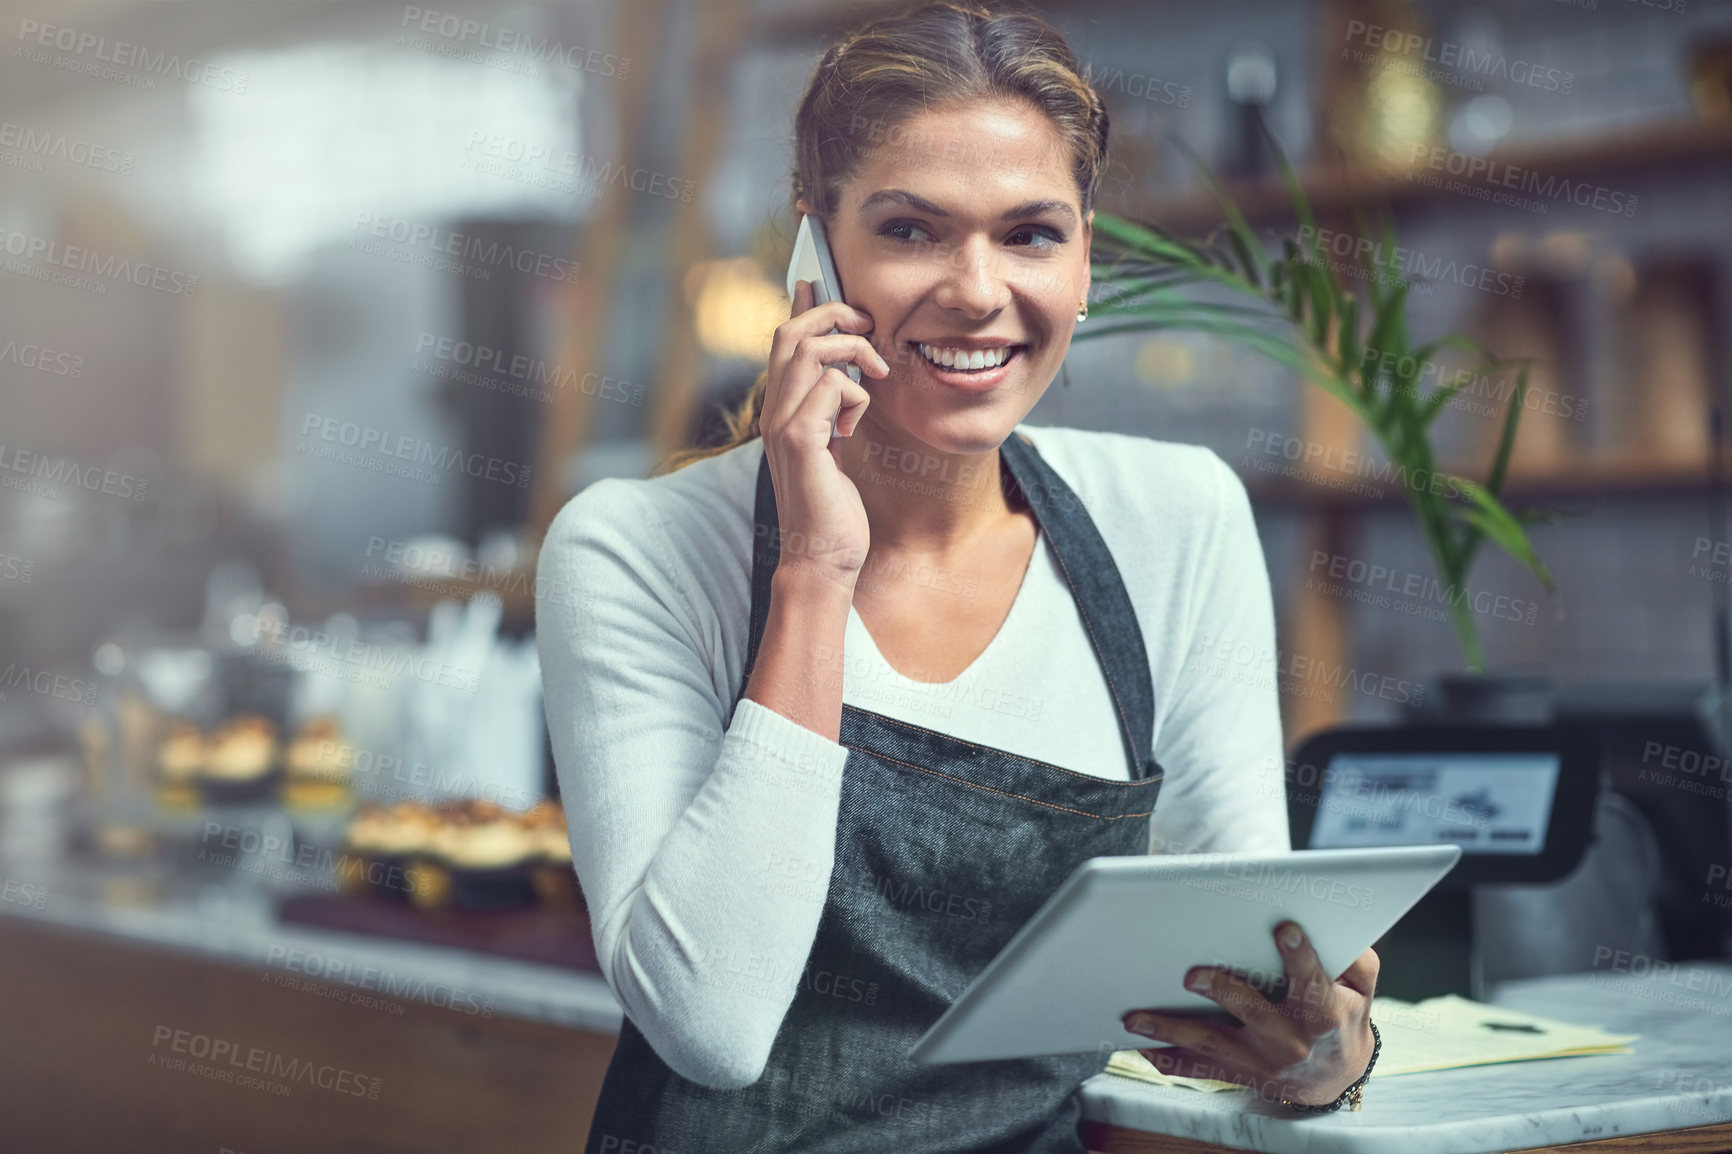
(410, 829)
(318, 765)
(240, 761)
(383, 846)
(180, 762)
(490, 853)
(555, 881)
(479, 835)
(361, 841)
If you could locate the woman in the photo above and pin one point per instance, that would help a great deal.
(839, 713)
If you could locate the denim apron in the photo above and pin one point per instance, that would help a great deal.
(944, 848)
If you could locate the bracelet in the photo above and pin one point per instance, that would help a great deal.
(1353, 1093)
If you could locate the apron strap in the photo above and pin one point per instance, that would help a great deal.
(766, 554)
(1088, 568)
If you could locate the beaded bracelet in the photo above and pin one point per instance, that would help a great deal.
(1353, 1093)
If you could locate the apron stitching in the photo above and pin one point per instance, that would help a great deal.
(1000, 792)
(1002, 752)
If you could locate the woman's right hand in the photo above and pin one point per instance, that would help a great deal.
(817, 505)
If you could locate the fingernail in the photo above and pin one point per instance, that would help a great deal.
(1137, 1023)
(1291, 937)
(1199, 981)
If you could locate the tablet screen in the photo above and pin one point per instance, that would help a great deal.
(1487, 803)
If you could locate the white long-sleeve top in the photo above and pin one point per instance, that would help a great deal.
(704, 846)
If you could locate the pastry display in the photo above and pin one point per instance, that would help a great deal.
(318, 764)
(467, 853)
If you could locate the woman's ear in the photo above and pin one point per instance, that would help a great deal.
(1088, 234)
(805, 209)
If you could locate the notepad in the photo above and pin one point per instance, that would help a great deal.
(1441, 1033)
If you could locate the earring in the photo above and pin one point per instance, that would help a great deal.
(1083, 311)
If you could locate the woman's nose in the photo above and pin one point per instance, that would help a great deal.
(973, 281)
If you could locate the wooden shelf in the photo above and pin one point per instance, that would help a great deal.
(414, 600)
(420, 596)
(819, 23)
(1337, 189)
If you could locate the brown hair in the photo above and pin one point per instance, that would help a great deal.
(873, 79)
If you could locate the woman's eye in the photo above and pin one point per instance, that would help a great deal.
(906, 230)
(1037, 236)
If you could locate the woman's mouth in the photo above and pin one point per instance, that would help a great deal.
(967, 360)
(970, 370)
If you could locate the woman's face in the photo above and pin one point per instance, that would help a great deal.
(962, 236)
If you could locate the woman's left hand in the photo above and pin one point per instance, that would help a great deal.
(1307, 1048)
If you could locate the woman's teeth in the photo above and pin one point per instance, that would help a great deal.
(966, 360)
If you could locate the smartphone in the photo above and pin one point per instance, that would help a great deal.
(812, 262)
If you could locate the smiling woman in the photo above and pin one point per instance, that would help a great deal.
(851, 695)
(909, 129)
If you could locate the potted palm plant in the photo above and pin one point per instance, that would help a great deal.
(1355, 344)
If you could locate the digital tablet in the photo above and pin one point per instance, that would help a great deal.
(1121, 933)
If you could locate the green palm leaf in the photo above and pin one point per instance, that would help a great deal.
(1294, 311)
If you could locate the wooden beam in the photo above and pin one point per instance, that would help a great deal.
(1334, 187)
(721, 25)
(586, 303)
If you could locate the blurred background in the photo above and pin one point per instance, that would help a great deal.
(312, 316)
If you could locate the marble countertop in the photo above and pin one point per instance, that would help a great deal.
(237, 925)
(1679, 1075)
